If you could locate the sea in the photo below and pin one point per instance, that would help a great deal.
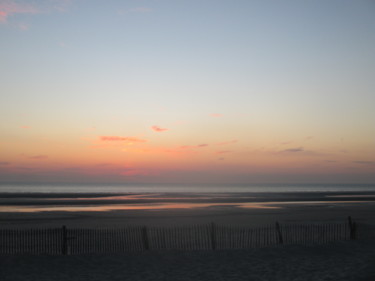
(181, 188)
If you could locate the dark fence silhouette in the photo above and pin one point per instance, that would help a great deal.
(199, 237)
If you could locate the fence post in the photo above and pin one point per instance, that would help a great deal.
(353, 228)
(146, 244)
(64, 240)
(280, 236)
(213, 236)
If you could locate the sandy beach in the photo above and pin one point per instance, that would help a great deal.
(342, 260)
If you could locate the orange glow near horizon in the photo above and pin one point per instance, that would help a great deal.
(134, 158)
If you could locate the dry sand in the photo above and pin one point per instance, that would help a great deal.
(344, 261)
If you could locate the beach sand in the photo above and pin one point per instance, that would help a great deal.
(345, 260)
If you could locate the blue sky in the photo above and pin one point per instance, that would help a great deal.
(287, 84)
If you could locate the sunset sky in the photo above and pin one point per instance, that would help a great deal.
(187, 91)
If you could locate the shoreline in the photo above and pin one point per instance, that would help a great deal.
(167, 209)
(35, 198)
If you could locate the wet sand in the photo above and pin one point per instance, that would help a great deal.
(163, 209)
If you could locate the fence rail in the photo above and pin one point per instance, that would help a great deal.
(199, 237)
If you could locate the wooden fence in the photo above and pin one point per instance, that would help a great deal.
(200, 237)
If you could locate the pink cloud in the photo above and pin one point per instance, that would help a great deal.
(3, 16)
(216, 115)
(202, 145)
(9, 8)
(117, 138)
(158, 129)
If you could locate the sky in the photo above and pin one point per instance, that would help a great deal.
(178, 91)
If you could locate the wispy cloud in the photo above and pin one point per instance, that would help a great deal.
(365, 162)
(202, 145)
(295, 149)
(302, 151)
(111, 142)
(3, 163)
(158, 129)
(9, 8)
(129, 140)
(194, 146)
(117, 138)
(140, 10)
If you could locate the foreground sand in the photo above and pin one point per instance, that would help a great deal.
(344, 261)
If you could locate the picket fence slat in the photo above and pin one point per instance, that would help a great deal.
(197, 237)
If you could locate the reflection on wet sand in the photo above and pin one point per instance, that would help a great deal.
(105, 208)
(153, 197)
(352, 196)
(163, 206)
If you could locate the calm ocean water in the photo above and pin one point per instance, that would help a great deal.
(149, 188)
